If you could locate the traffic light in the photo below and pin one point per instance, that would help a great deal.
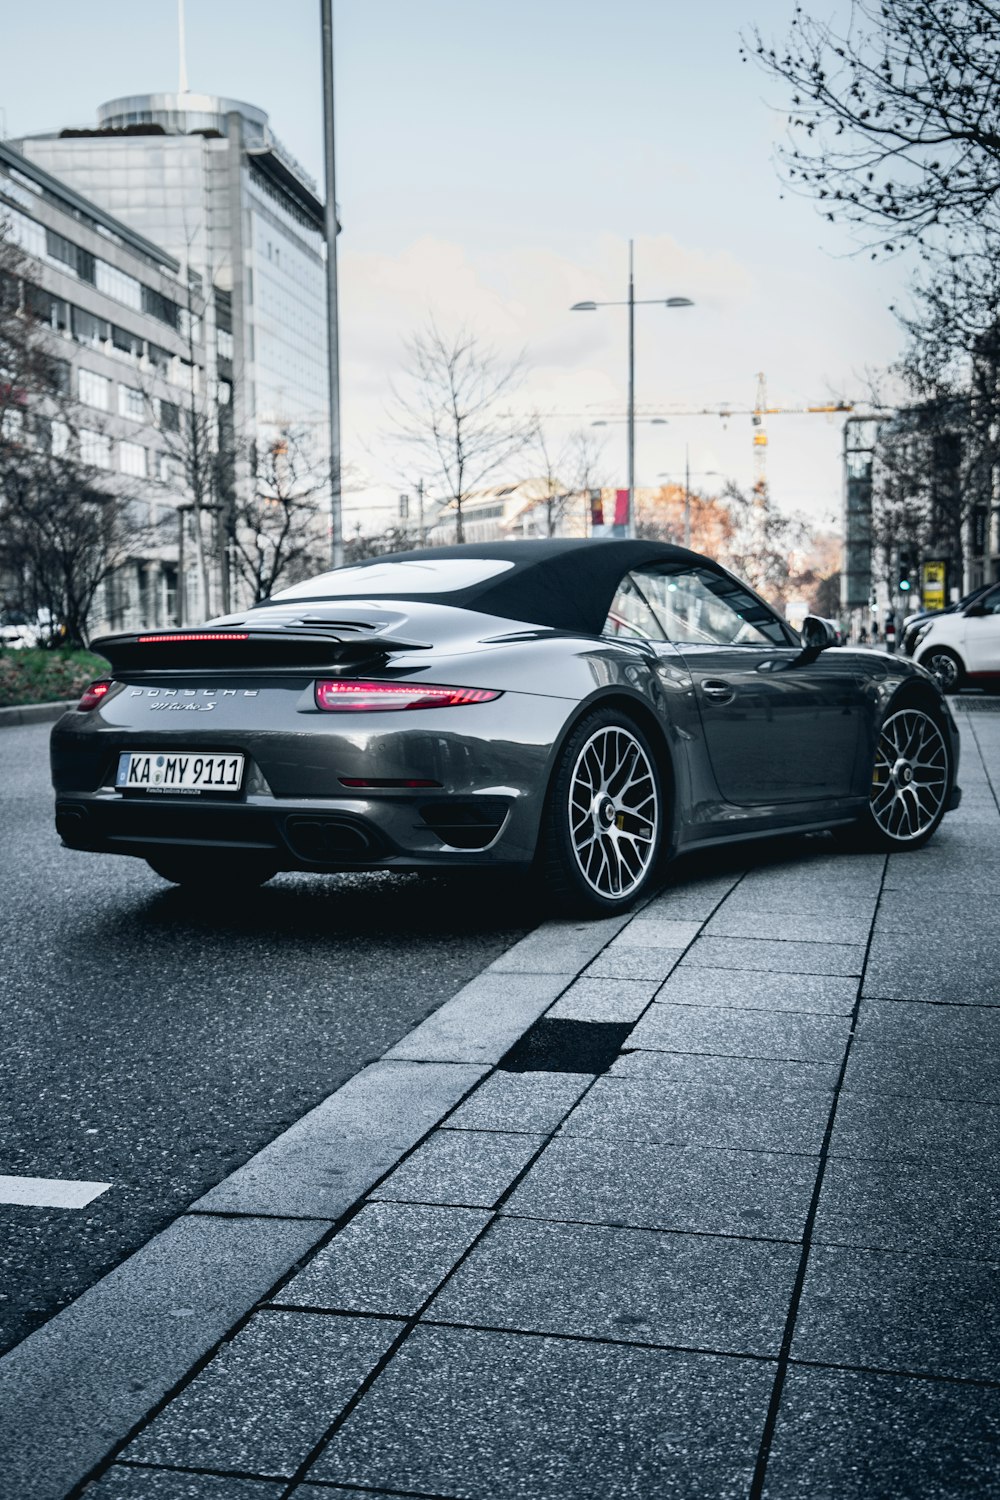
(905, 567)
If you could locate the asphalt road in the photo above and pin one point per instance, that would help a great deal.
(156, 1044)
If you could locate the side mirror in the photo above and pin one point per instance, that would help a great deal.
(818, 634)
(974, 611)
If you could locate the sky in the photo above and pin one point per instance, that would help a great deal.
(493, 159)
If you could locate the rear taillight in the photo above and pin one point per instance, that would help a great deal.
(339, 696)
(93, 695)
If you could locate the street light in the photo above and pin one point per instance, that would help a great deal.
(699, 474)
(631, 304)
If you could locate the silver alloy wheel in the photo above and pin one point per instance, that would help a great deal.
(613, 812)
(910, 779)
(943, 666)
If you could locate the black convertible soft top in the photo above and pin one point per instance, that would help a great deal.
(565, 583)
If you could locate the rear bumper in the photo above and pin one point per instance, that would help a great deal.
(488, 767)
(341, 834)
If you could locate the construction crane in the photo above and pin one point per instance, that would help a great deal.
(758, 414)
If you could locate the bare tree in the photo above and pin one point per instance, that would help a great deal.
(278, 532)
(66, 528)
(568, 473)
(763, 542)
(895, 118)
(451, 411)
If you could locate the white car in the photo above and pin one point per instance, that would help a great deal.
(963, 647)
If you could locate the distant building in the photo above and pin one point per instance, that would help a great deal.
(117, 314)
(508, 512)
(205, 178)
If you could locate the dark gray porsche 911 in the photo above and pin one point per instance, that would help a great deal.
(577, 707)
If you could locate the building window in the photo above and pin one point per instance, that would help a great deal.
(89, 330)
(224, 342)
(169, 416)
(160, 307)
(132, 459)
(58, 438)
(95, 448)
(131, 403)
(125, 343)
(117, 284)
(94, 390)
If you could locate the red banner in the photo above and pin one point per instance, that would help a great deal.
(621, 507)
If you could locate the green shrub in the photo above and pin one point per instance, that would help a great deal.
(38, 676)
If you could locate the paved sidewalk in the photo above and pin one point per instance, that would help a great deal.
(722, 1224)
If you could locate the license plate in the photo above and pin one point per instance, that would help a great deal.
(180, 771)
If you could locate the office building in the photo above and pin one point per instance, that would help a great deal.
(125, 328)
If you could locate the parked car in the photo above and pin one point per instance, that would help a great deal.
(575, 707)
(17, 631)
(913, 623)
(963, 647)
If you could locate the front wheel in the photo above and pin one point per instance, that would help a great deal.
(213, 871)
(603, 822)
(911, 779)
(945, 666)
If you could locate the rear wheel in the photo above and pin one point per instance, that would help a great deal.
(945, 666)
(911, 778)
(603, 822)
(212, 870)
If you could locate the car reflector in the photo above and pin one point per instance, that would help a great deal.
(340, 696)
(383, 781)
(93, 695)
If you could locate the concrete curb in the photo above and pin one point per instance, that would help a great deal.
(73, 1391)
(35, 713)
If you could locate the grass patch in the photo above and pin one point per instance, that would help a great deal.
(37, 676)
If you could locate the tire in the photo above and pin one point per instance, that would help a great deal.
(212, 870)
(912, 778)
(602, 828)
(946, 666)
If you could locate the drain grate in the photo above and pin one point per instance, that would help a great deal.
(554, 1046)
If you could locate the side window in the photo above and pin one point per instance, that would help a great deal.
(991, 602)
(697, 606)
(630, 615)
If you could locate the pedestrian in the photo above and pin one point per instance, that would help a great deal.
(862, 636)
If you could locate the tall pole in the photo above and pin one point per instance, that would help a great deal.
(687, 498)
(182, 72)
(332, 325)
(630, 518)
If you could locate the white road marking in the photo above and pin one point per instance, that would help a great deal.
(49, 1192)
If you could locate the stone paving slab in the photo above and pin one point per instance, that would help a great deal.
(822, 994)
(526, 1103)
(726, 1072)
(683, 1028)
(776, 957)
(933, 965)
(662, 932)
(909, 1069)
(836, 899)
(485, 1415)
(844, 1435)
(937, 1027)
(123, 1482)
(652, 1186)
(785, 926)
(923, 1314)
(876, 1127)
(388, 1259)
(461, 1167)
(693, 1291)
(943, 1206)
(558, 947)
(747, 1119)
(634, 963)
(605, 999)
(269, 1395)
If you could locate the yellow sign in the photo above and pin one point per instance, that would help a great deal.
(932, 584)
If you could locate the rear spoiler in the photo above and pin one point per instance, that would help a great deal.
(240, 647)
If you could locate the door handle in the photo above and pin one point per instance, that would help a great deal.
(718, 691)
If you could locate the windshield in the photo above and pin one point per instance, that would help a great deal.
(443, 575)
